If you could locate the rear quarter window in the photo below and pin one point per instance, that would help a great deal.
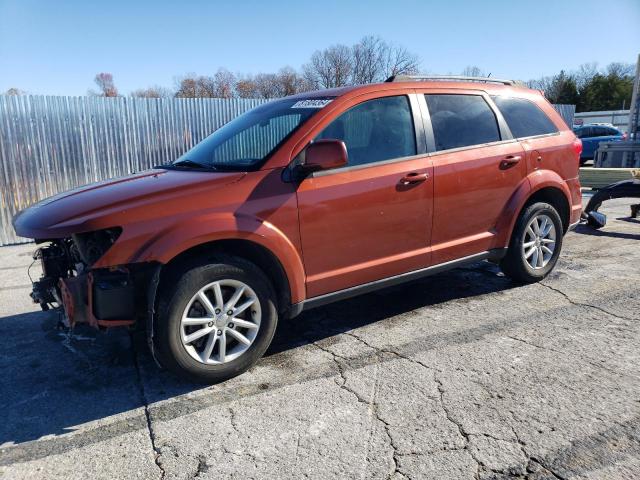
(525, 119)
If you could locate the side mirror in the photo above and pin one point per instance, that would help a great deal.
(325, 154)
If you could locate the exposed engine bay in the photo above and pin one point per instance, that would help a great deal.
(103, 297)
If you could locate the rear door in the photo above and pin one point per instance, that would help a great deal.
(589, 142)
(610, 134)
(370, 219)
(477, 167)
(600, 134)
(583, 134)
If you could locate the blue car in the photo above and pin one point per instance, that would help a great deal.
(592, 135)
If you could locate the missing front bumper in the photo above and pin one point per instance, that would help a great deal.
(99, 298)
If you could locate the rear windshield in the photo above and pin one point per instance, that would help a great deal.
(525, 119)
(246, 141)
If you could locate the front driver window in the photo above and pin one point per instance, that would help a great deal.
(375, 130)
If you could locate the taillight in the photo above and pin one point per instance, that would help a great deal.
(625, 135)
(577, 147)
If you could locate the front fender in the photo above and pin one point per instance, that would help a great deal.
(192, 232)
(528, 186)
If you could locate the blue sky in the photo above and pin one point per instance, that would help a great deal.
(57, 47)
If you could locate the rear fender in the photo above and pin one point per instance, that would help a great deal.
(535, 181)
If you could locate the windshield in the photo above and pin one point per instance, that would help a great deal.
(249, 139)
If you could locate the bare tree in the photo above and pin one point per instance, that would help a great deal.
(206, 86)
(186, 86)
(267, 85)
(14, 92)
(289, 81)
(399, 61)
(541, 83)
(585, 74)
(473, 71)
(246, 87)
(370, 60)
(374, 60)
(224, 82)
(271, 85)
(331, 67)
(621, 70)
(194, 86)
(152, 92)
(105, 84)
(368, 56)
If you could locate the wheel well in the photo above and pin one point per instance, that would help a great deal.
(554, 197)
(246, 249)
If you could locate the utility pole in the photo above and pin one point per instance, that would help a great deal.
(634, 108)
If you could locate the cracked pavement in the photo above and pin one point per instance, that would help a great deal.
(462, 375)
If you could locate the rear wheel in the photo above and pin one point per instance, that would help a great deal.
(535, 244)
(216, 321)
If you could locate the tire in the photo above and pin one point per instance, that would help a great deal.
(180, 296)
(516, 264)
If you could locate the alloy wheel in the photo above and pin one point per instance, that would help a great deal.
(220, 322)
(539, 241)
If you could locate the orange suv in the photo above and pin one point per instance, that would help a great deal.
(308, 200)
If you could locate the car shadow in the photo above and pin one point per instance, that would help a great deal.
(629, 220)
(586, 230)
(54, 384)
(340, 317)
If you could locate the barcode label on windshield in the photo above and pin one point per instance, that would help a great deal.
(311, 103)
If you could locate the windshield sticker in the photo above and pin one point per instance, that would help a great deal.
(311, 103)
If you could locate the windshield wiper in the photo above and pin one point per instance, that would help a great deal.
(186, 163)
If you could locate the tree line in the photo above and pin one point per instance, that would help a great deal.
(374, 59)
(590, 88)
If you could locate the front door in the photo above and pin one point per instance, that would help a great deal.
(371, 219)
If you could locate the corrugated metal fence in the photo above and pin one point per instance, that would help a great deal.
(52, 144)
(567, 112)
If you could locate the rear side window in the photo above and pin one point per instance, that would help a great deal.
(461, 121)
(604, 132)
(375, 130)
(525, 119)
(583, 132)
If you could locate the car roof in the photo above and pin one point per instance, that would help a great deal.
(609, 125)
(491, 88)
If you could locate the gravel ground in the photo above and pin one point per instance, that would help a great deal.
(460, 375)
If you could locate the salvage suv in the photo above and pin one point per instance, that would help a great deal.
(308, 200)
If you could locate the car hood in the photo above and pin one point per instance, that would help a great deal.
(105, 204)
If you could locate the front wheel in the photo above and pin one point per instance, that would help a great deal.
(216, 321)
(535, 244)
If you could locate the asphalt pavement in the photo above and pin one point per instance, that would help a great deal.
(463, 375)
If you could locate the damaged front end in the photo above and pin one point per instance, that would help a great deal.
(101, 297)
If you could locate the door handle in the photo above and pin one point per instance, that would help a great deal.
(413, 177)
(509, 161)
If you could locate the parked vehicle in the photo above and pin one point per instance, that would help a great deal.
(308, 200)
(591, 136)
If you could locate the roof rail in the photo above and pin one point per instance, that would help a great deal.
(457, 78)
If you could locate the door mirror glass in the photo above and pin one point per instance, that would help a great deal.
(325, 154)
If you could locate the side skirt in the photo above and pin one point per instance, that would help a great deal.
(297, 308)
